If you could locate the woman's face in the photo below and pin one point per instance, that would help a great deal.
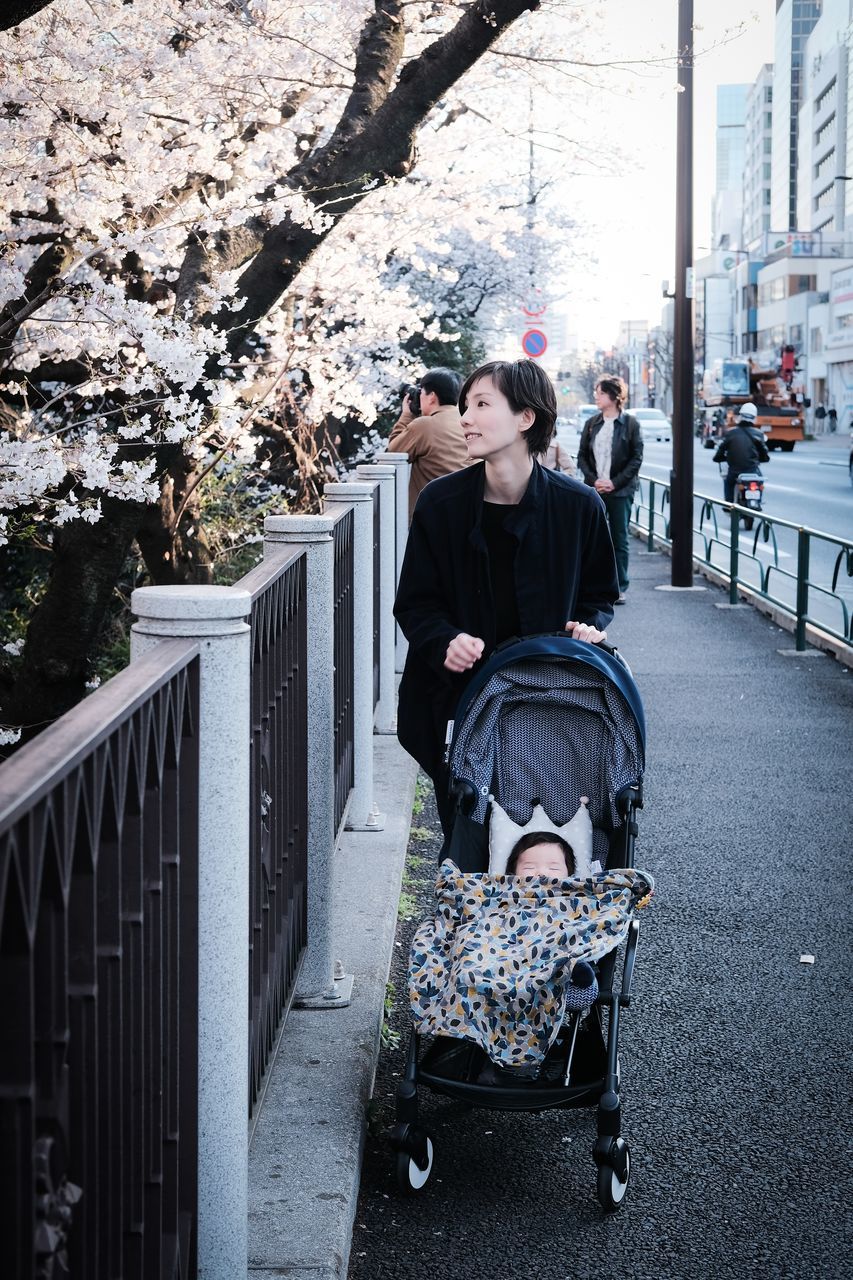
(603, 400)
(542, 860)
(489, 423)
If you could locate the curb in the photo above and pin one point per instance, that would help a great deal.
(305, 1157)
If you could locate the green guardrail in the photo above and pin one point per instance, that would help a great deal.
(651, 520)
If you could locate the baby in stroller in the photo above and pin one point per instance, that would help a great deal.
(491, 974)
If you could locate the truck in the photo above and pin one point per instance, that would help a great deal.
(731, 382)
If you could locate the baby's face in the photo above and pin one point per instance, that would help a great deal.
(542, 860)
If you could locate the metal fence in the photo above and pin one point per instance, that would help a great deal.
(278, 860)
(344, 657)
(98, 973)
(750, 552)
(377, 563)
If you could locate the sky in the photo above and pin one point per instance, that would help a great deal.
(629, 217)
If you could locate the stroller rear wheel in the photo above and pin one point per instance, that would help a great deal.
(410, 1177)
(611, 1187)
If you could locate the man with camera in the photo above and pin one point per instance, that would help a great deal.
(429, 430)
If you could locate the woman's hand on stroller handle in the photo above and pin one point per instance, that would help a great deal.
(584, 631)
(462, 652)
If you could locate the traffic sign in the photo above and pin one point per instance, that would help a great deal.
(534, 343)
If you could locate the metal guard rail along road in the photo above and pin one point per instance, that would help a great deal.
(809, 601)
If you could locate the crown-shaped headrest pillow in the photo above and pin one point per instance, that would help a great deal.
(504, 834)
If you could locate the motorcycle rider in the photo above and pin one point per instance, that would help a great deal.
(742, 448)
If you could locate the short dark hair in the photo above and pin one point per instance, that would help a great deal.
(526, 386)
(445, 383)
(615, 388)
(530, 841)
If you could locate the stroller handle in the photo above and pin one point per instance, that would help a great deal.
(539, 635)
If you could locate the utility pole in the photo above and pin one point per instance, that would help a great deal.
(681, 476)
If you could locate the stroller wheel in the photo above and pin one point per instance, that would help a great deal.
(611, 1189)
(410, 1178)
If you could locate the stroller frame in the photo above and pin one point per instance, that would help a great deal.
(451, 1066)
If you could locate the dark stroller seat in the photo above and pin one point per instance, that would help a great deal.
(547, 719)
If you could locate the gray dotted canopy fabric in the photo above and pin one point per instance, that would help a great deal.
(553, 729)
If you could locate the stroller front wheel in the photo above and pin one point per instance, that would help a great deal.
(611, 1188)
(410, 1178)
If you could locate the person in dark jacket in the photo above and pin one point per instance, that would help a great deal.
(610, 455)
(741, 448)
(501, 548)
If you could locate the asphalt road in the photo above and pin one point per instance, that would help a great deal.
(736, 1056)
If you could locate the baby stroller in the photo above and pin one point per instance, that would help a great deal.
(547, 720)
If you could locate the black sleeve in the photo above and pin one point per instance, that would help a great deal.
(421, 607)
(586, 461)
(598, 587)
(763, 451)
(721, 452)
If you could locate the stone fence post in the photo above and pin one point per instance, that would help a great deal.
(318, 986)
(386, 710)
(216, 617)
(362, 812)
(401, 479)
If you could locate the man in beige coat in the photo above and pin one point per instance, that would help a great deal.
(433, 440)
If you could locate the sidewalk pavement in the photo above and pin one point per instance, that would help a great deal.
(739, 740)
(305, 1157)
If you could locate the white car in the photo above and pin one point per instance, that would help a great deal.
(654, 424)
(586, 411)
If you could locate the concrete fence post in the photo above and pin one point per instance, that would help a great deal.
(319, 985)
(362, 814)
(216, 617)
(401, 479)
(386, 710)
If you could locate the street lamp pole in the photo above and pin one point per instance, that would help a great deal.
(681, 476)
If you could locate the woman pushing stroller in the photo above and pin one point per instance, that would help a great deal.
(499, 549)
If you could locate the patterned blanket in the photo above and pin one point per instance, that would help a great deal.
(494, 964)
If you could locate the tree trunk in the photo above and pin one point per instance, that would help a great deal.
(87, 561)
(174, 547)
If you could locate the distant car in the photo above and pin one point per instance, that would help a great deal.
(654, 424)
(586, 411)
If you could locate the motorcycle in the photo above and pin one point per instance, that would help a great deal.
(749, 492)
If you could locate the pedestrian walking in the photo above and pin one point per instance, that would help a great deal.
(556, 458)
(610, 455)
(832, 419)
(819, 417)
(501, 548)
(430, 432)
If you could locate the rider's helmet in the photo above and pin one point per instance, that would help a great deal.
(748, 412)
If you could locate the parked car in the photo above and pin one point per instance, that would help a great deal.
(654, 424)
(586, 411)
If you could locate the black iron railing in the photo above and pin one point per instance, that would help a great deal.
(749, 552)
(377, 561)
(98, 974)
(278, 866)
(344, 659)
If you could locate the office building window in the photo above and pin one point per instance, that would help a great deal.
(826, 98)
(816, 341)
(824, 131)
(795, 333)
(826, 165)
(844, 322)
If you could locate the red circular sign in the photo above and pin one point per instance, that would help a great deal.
(534, 343)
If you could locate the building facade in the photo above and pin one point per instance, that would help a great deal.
(795, 20)
(728, 186)
(758, 135)
(822, 155)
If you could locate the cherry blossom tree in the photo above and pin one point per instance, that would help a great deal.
(214, 207)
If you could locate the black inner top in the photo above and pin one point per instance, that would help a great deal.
(502, 548)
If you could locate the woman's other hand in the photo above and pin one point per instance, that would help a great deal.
(463, 651)
(583, 631)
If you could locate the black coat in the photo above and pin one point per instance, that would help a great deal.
(626, 453)
(742, 448)
(565, 571)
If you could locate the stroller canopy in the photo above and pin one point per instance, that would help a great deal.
(554, 719)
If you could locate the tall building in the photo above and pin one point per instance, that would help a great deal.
(758, 131)
(728, 187)
(822, 158)
(795, 20)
